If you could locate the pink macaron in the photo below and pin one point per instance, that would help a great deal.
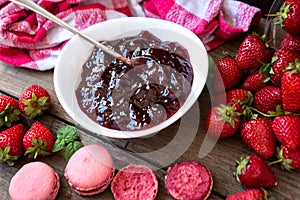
(134, 182)
(90, 170)
(35, 180)
(189, 180)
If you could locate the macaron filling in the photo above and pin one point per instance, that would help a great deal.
(189, 180)
(91, 191)
(135, 182)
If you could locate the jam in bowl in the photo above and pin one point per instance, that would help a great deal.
(110, 98)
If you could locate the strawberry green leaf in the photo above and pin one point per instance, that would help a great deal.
(6, 157)
(38, 148)
(9, 115)
(42, 102)
(35, 106)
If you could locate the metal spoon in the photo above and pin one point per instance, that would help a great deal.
(40, 10)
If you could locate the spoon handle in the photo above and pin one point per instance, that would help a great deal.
(40, 10)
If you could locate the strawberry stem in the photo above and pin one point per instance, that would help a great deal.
(6, 157)
(38, 148)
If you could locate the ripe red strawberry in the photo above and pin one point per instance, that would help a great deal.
(253, 172)
(289, 16)
(227, 74)
(9, 110)
(231, 97)
(11, 146)
(289, 159)
(222, 121)
(258, 135)
(253, 52)
(34, 101)
(290, 42)
(287, 130)
(38, 140)
(250, 194)
(290, 87)
(267, 99)
(280, 61)
(254, 81)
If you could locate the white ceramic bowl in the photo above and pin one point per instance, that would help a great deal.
(67, 73)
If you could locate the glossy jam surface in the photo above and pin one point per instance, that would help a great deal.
(128, 98)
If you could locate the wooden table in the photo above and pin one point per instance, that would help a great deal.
(220, 160)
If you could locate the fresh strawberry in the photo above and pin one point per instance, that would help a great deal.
(287, 130)
(227, 74)
(253, 52)
(34, 101)
(289, 159)
(254, 81)
(250, 194)
(253, 172)
(289, 16)
(280, 61)
(234, 96)
(290, 87)
(38, 140)
(11, 146)
(9, 110)
(222, 121)
(258, 135)
(290, 42)
(267, 99)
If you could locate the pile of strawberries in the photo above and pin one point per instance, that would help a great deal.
(261, 102)
(14, 141)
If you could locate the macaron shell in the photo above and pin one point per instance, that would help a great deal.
(189, 180)
(90, 170)
(35, 180)
(134, 182)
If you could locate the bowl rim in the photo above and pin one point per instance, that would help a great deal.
(149, 23)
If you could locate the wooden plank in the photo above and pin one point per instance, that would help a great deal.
(181, 141)
(14, 80)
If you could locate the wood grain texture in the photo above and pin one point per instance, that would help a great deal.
(183, 140)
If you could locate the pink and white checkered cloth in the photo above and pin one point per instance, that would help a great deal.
(31, 41)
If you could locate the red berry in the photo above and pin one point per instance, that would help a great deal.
(254, 81)
(38, 140)
(239, 97)
(280, 61)
(290, 87)
(253, 172)
(34, 100)
(253, 53)
(288, 158)
(9, 110)
(289, 16)
(249, 194)
(11, 146)
(287, 130)
(267, 99)
(222, 121)
(227, 74)
(258, 135)
(291, 42)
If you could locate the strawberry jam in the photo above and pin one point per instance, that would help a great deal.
(128, 98)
